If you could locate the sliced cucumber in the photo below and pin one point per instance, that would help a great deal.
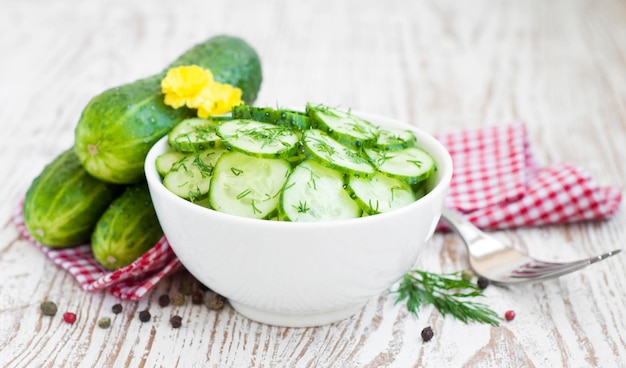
(314, 192)
(321, 147)
(412, 165)
(247, 186)
(381, 193)
(258, 139)
(194, 134)
(395, 139)
(346, 128)
(165, 161)
(190, 177)
(288, 118)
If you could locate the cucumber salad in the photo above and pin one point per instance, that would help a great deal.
(318, 165)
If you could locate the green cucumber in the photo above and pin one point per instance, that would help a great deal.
(165, 161)
(63, 204)
(288, 118)
(259, 139)
(329, 152)
(190, 177)
(194, 134)
(394, 139)
(127, 229)
(411, 165)
(342, 125)
(380, 193)
(247, 186)
(118, 127)
(314, 192)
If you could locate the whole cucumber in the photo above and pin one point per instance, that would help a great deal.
(118, 127)
(64, 203)
(128, 228)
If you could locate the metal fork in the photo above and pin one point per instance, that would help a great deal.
(502, 264)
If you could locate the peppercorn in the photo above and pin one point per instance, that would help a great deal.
(176, 321)
(69, 317)
(467, 275)
(164, 300)
(48, 308)
(197, 297)
(509, 315)
(178, 299)
(144, 316)
(104, 322)
(185, 288)
(117, 308)
(216, 302)
(427, 334)
(482, 283)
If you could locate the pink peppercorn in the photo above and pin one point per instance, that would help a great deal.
(69, 317)
(509, 315)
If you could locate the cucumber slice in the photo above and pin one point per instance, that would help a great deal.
(247, 186)
(194, 134)
(165, 161)
(190, 177)
(258, 139)
(324, 149)
(395, 139)
(314, 192)
(411, 165)
(381, 193)
(346, 128)
(287, 118)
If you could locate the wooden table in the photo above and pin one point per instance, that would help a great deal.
(558, 65)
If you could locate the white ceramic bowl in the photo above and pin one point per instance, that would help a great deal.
(300, 274)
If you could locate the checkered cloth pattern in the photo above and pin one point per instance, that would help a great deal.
(496, 184)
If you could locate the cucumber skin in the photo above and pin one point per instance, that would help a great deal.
(127, 229)
(64, 203)
(231, 60)
(118, 127)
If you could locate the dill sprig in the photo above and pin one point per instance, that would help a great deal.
(449, 293)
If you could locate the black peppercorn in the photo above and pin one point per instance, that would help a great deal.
(176, 321)
(117, 308)
(144, 316)
(427, 334)
(164, 300)
(482, 283)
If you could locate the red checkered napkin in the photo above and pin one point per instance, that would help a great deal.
(496, 184)
(131, 282)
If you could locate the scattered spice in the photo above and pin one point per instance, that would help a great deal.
(427, 334)
(178, 299)
(482, 283)
(176, 321)
(467, 275)
(48, 308)
(104, 322)
(117, 308)
(197, 297)
(216, 302)
(509, 315)
(144, 316)
(186, 287)
(164, 300)
(69, 317)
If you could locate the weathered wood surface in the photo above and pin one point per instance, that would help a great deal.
(441, 65)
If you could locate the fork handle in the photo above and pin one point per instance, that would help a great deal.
(461, 225)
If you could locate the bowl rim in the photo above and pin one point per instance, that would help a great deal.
(443, 160)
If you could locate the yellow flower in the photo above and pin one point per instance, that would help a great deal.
(219, 98)
(194, 87)
(184, 86)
